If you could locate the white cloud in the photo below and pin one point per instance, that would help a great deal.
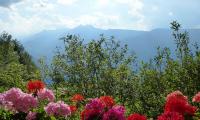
(66, 2)
(135, 7)
(96, 19)
(30, 16)
(20, 25)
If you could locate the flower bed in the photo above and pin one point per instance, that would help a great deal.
(40, 103)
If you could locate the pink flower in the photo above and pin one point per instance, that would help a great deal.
(15, 100)
(115, 113)
(31, 116)
(58, 109)
(46, 94)
(171, 116)
(196, 98)
(13, 95)
(25, 103)
(95, 104)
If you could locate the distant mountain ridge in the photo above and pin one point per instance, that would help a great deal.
(143, 43)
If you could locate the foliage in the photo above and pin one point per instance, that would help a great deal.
(16, 65)
(104, 67)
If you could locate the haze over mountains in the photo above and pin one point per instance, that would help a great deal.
(143, 43)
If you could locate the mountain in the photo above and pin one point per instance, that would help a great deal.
(143, 43)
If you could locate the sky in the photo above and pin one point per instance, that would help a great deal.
(26, 17)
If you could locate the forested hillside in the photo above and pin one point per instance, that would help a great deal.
(16, 65)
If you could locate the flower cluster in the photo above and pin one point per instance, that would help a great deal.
(136, 116)
(73, 108)
(77, 98)
(115, 113)
(91, 114)
(177, 106)
(58, 109)
(103, 109)
(108, 101)
(35, 86)
(196, 98)
(95, 104)
(31, 116)
(170, 116)
(16, 100)
(46, 94)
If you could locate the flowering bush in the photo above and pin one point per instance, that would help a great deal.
(20, 105)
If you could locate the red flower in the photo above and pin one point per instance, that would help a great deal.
(196, 98)
(77, 98)
(171, 116)
(180, 105)
(136, 116)
(34, 86)
(91, 114)
(73, 108)
(108, 101)
(176, 94)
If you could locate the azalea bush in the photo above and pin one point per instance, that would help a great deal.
(39, 103)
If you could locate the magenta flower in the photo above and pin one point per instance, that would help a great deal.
(95, 104)
(57, 109)
(31, 116)
(46, 94)
(115, 113)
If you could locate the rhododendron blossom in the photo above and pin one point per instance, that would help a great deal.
(31, 116)
(115, 113)
(95, 104)
(58, 109)
(196, 98)
(178, 103)
(46, 94)
(15, 99)
(176, 94)
(73, 108)
(25, 103)
(136, 116)
(77, 98)
(108, 101)
(91, 114)
(35, 86)
(171, 116)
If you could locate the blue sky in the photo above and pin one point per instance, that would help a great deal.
(25, 17)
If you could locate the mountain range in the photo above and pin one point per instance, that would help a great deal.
(143, 43)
